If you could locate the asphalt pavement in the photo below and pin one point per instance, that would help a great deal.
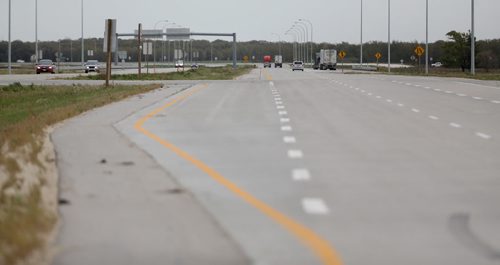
(283, 167)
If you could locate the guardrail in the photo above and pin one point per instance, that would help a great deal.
(364, 68)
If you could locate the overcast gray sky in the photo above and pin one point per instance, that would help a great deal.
(333, 20)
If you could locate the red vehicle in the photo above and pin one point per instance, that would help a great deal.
(267, 61)
(45, 66)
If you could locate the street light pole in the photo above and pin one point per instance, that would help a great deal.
(83, 55)
(426, 37)
(306, 38)
(300, 38)
(10, 43)
(473, 43)
(294, 54)
(36, 31)
(303, 38)
(279, 43)
(310, 24)
(154, 48)
(389, 37)
(361, 43)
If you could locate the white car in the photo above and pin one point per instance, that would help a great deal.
(437, 64)
(298, 65)
(179, 64)
(92, 66)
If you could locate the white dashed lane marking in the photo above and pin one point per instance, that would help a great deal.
(284, 120)
(282, 112)
(314, 206)
(294, 154)
(483, 135)
(289, 140)
(301, 174)
(432, 117)
(280, 107)
(286, 128)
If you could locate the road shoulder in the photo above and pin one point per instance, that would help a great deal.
(122, 207)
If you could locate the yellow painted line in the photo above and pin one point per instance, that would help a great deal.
(319, 246)
(267, 75)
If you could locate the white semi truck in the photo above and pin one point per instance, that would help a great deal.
(278, 61)
(326, 59)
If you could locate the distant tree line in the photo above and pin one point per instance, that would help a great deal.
(454, 52)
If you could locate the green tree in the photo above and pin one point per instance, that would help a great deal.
(457, 52)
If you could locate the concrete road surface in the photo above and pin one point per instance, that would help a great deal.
(283, 167)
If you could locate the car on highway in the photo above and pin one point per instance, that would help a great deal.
(179, 64)
(298, 65)
(92, 66)
(437, 64)
(45, 66)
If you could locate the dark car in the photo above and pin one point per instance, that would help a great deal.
(45, 66)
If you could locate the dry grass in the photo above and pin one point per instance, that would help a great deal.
(25, 112)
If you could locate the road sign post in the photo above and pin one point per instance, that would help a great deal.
(378, 55)
(342, 54)
(110, 31)
(419, 51)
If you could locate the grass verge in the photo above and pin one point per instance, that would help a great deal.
(26, 111)
(202, 73)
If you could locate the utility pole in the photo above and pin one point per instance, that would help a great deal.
(10, 42)
(361, 46)
(426, 37)
(36, 31)
(108, 50)
(83, 54)
(389, 37)
(139, 49)
(473, 43)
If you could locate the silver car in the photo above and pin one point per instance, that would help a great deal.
(92, 66)
(298, 65)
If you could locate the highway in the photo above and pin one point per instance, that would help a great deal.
(282, 167)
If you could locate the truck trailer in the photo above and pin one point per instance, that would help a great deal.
(326, 59)
(267, 61)
(278, 61)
